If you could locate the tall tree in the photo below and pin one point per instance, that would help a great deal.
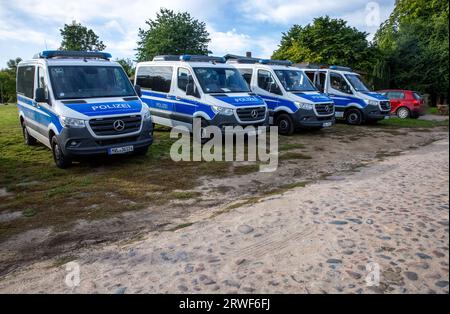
(413, 44)
(127, 65)
(79, 38)
(172, 33)
(329, 41)
(8, 81)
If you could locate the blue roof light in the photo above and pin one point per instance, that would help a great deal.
(48, 54)
(340, 68)
(185, 58)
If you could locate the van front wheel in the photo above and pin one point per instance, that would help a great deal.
(61, 160)
(285, 124)
(354, 117)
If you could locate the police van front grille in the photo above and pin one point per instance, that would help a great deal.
(116, 125)
(325, 109)
(385, 105)
(251, 114)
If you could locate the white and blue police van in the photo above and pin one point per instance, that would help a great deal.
(80, 104)
(292, 99)
(178, 89)
(354, 101)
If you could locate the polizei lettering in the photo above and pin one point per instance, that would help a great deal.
(246, 99)
(109, 107)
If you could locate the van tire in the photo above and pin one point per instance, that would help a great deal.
(403, 113)
(29, 140)
(61, 160)
(285, 124)
(354, 117)
(203, 124)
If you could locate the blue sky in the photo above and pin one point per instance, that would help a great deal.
(235, 26)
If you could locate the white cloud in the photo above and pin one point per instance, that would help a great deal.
(236, 26)
(287, 12)
(239, 43)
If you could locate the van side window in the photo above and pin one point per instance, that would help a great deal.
(247, 75)
(25, 81)
(183, 78)
(42, 82)
(338, 82)
(155, 78)
(267, 82)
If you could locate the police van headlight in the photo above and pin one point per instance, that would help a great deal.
(371, 102)
(304, 106)
(72, 122)
(147, 115)
(222, 110)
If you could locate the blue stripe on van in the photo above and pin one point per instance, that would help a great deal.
(314, 98)
(344, 101)
(183, 106)
(275, 102)
(42, 115)
(107, 108)
(242, 101)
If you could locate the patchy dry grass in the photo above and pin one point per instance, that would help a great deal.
(294, 155)
(49, 196)
(411, 123)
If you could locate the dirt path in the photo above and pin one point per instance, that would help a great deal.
(304, 157)
(308, 240)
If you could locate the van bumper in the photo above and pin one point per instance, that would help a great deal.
(80, 142)
(306, 119)
(375, 114)
(223, 121)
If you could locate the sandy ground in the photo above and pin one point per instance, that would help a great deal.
(316, 239)
(331, 152)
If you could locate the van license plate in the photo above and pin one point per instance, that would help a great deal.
(327, 124)
(120, 150)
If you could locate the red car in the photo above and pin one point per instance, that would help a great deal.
(405, 103)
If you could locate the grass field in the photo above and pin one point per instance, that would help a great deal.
(411, 123)
(47, 195)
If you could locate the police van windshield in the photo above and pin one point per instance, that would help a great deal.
(295, 81)
(357, 83)
(221, 80)
(75, 82)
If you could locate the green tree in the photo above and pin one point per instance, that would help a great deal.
(12, 65)
(127, 65)
(8, 81)
(172, 33)
(413, 45)
(77, 37)
(326, 41)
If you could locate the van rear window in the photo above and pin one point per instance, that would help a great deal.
(25, 81)
(155, 78)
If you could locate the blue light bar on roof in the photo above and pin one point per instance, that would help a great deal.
(49, 54)
(276, 62)
(190, 58)
(340, 68)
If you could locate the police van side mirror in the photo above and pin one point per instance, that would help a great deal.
(275, 89)
(319, 87)
(40, 95)
(190, 89)
(138, 90)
